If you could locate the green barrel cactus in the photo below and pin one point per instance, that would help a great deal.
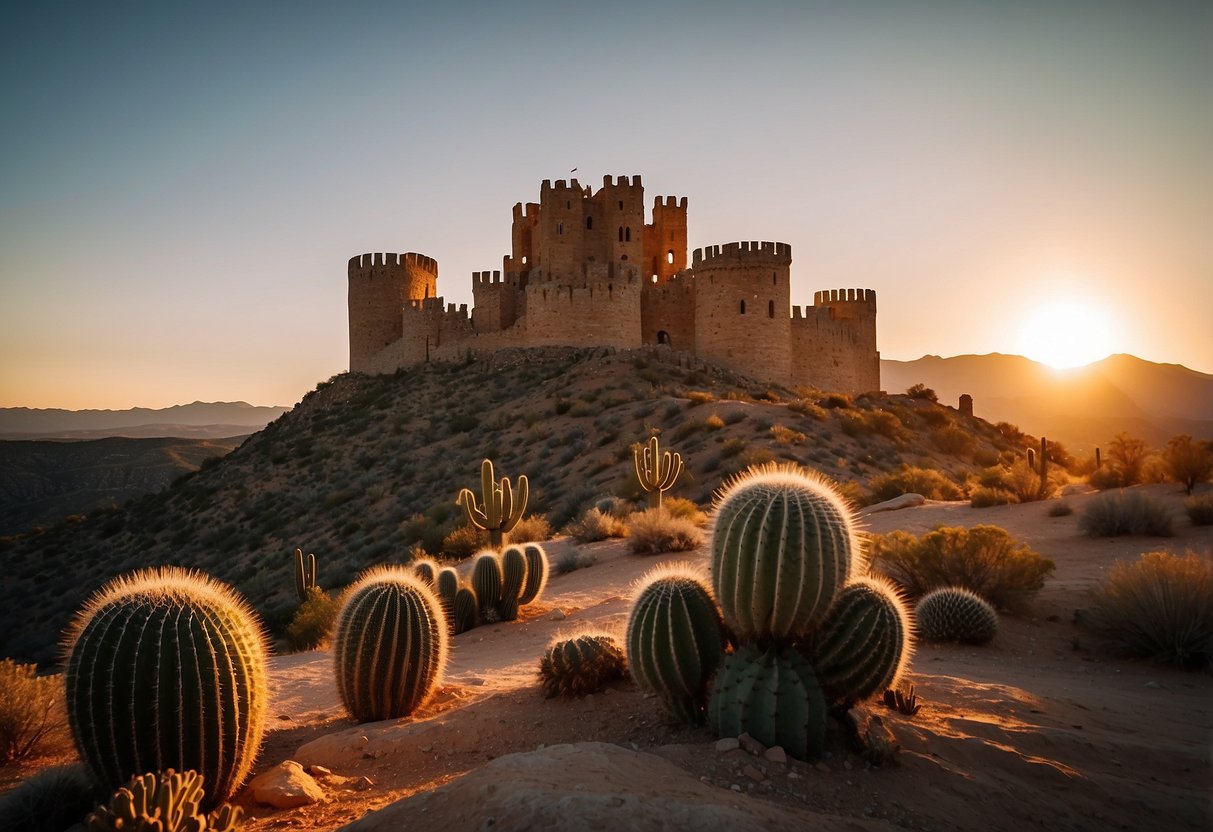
(426, 569)
(953, 613)
(783, 544)
(389, 644)
(536, 573)
(865, 642)
(675, 639)
(447, 584)
(773, 696)
(486, 581)
(577, 666)
(466, 610)
(167, 668)
(513, 581)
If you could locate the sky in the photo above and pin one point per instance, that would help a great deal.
(182, 185)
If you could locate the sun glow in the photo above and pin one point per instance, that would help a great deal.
(1067, 333)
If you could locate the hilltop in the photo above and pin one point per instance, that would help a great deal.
(364, 468)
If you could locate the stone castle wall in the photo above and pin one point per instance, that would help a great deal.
(380, 285)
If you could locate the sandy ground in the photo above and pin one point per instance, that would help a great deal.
(1033, 730)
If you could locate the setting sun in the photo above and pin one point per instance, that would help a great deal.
(1066, 333)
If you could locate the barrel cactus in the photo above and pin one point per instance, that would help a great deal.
(390, 644)
(536, 573)
(465, 610)
(580, 665)
(675, 638)
(784, 544)
(447, 584)
(167, 668)
(426, 569)
(771, 694)
(865, 642)
(486, 581)
(953, 613)
(513, 581)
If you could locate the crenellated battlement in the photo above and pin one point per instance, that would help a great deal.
(622, 181)
(749, 250)
(494, 277)
(529, 211)
(561, 185)
(669, 202)
(362, 262)
(828, 296)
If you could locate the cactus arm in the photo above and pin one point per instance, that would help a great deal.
(672, 466)
(475, 516)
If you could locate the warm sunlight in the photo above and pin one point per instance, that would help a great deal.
(1066, 333)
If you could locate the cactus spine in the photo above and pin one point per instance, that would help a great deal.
(426, 570)
(499, 510)
(536, 573)
(200, 637)
(486, 581)
(466, 610)
(389, 644)
(782, 547)
(305, 574)
(656, 472)
(864, 643)
(513, 581)
(953, 613)
(675, 639)
(773, 695)
(447, 584)
(581, 665)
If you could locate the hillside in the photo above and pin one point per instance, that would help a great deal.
(43, 482)
(366, 467)
(198, 420)
(1082, 407)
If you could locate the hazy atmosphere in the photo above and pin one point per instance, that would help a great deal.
(182, 187)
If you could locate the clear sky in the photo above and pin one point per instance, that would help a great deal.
(181, 185)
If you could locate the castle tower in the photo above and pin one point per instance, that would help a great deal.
(854, 310)
(742, 307)
(559, 236)
(380, 286)
(618, 232)
(665, 241)
(522, 238)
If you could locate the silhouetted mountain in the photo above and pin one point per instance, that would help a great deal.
(1081, 407)
(200, 420)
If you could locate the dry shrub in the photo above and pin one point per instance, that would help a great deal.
(1126, 512)
(984, 496)
(313, 621)
(656, 531)
(953, 440)
(1022, 481)
(533, 527)
(1061, 509)
(713, 422)
(698, 397)
(786, 436)
(596, 525)
(928, 482)
(1200, 509)
(27, 709)
(808, 408)
(463, 542)
(984, 559)
(684, 508)
(1159, 607)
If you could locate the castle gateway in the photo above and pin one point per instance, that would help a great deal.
(586, 270)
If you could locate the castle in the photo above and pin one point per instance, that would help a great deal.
(586, 270)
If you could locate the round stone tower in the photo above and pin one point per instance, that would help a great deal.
(380, 286)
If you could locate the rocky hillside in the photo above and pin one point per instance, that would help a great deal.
(364, 468)
(44, 482)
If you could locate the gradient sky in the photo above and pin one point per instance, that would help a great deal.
(181, 185)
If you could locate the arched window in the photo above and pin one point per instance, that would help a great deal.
(589, 223)
(774, 279)
(621, 205)
(654, 278)
(559, 228)
(627, 234)
(621, 233)
(663, 337)
(770, 309)
(669, 257)
(743, 307)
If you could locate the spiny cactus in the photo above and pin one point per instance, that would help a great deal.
(513, 581)
(903, 701)
(656, 472)
(784, 544)
(675, 638)
(466, 610)
(390, 644)
(305, 574)
(206, 646)
(486, 581)
(426, 569)
(499, 509)
(864, 643)
(773, 696)
(953, 613)
(447, 584)
(536, 573)
(162, 802)
(580, 665)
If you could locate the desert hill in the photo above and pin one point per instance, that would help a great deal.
(42, 482)
(1082, 407)
(198, 420)
(366, 467)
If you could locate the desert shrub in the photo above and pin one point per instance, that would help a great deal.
(713, 422)
(684, 508)
(1188, 462)
(533, 527)
(808, 408)
(1126, 455)
(56, 798)
(655, 531)
(698, 397)
(1159, 607)
(313, 622)
(921, 391)
(1200, 509)
(786, 436)
(463, 542)
(1126, 512)
(932, 484)
(1061, 509)
(617, 507)
(953, 440)
(1022, 481)
(835, 400)
(984, 559)
(596, 525)
(27, 709)
(571, 561)
(984, 496)
(1105, 478)
(732, 446)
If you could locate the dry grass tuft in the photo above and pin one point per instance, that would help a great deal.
(1126, 512)
(596, 525)
(656, 531)
(27, 709)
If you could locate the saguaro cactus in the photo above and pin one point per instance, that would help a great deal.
(1044, 468)
(656, 472)
(305, 574)
(389, 644)
(499, 510)
(167, 668)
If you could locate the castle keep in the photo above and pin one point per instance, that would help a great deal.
(586, 270)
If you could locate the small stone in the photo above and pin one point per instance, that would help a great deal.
(1152, 685)
(752, 773)
(735, 787)
(847, 765)
(751, 746)
(286, 786)
(362, 784)
(727, 744)
(776, 754)
(427, 748)
(823, 768)
(319, 771)
(557, 615)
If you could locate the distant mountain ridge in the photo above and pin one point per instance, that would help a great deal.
(198, 419)
(1083, 406)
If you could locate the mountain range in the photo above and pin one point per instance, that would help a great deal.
(200, 420)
